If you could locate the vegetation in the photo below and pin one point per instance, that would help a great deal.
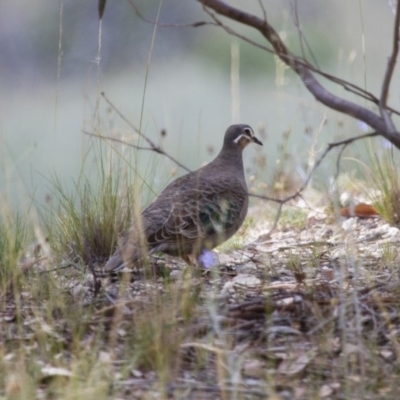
(307, 311)
(384, 176)
(297, 315)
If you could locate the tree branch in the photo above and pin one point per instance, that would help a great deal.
(349, 86)
(112, 139)
(304, 72)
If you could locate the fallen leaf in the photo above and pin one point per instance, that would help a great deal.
(255, 368)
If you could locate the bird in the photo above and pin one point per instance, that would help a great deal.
(194, 213)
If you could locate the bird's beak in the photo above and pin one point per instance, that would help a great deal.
(255, 140)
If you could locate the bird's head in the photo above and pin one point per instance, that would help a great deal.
(239, 136)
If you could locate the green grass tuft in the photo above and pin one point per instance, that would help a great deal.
(84, 223)
(384, 178)
(13, 238)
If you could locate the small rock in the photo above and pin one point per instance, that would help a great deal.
(345, 198)
(393, 232)
(136, 373)
(228, 288)
(317, 215)
(176, 275)
(55, 371)
(246, 280)
(327, 273)
(104, 357)
(255, 368)
(349, 224)
(325, 391)
(284, 271)
(225, 259)
(78, 290)
(387, 355)
(246, 268)
(339, 253)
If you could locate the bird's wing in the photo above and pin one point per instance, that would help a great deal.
(185, 213)
(194, 209)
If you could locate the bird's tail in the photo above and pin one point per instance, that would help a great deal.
(128, 253)
(115, 263)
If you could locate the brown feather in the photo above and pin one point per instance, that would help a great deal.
(197, 211)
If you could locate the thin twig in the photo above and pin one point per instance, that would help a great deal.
(98, 136)
(302, 37)
(274, 224)
(338, 159)
(153, 146)
(191, 25)
(47, 271)
(330, 146)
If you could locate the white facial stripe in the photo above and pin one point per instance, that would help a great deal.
(237, 140)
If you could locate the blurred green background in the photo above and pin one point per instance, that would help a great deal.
(44, 109)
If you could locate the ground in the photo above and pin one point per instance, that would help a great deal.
(310, 310)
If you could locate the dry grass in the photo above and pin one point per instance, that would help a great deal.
(210, 336)
(287, 321)
(384, 178)
(66, 335)
(297, 316)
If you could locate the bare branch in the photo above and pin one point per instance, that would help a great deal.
(302, 37)
(304, 72)
(232, 32)
(352, 140)
(389, 71)
(97, 136)
(344, 143)
(348, 86)
(339, 158)
(153, 146)
(330, 146)
(274, 224)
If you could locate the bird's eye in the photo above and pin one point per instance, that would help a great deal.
(247, 131)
